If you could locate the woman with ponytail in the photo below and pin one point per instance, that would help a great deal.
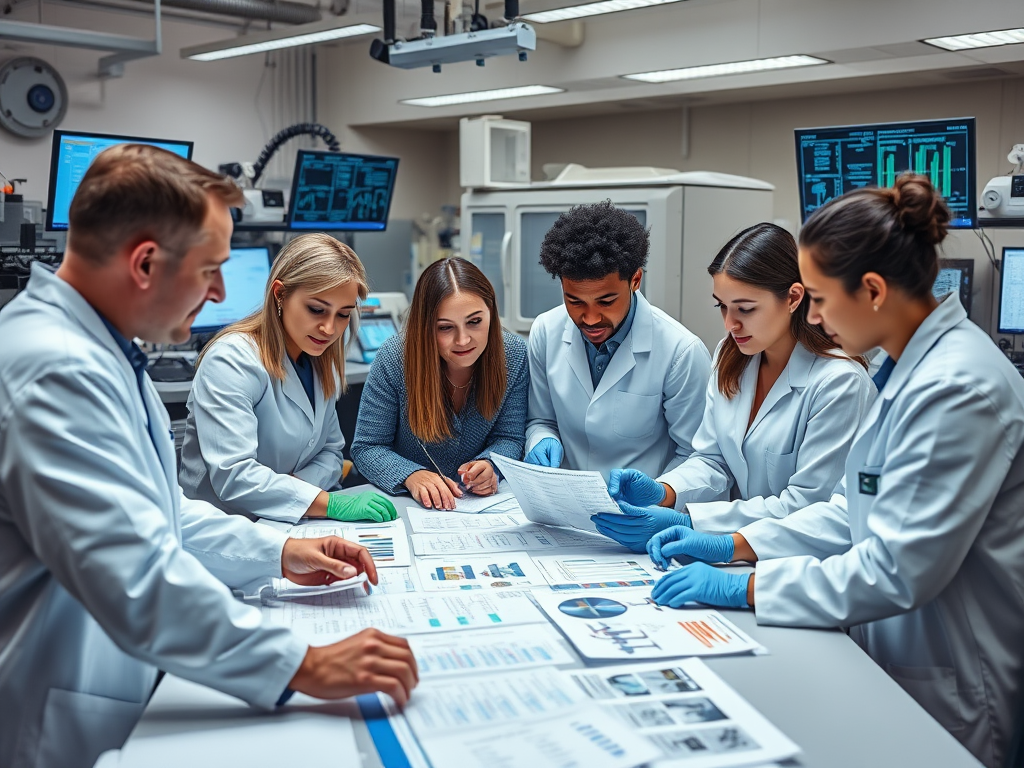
(920, 552)
(781, 411)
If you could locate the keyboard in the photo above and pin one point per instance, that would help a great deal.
(171, 369)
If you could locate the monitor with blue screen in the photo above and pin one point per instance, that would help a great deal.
(832, 161)
(341, 192)
(1011, 291)
(71, 156)
(955, 275)
(373, 331)
(245, 282)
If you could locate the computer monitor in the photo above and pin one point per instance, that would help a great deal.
(1011, 291)
(955, 275)
(336, 191)
(832, 161)
(374, 330)
(71, 156)
(245, 282)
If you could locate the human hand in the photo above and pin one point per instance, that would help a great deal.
(314, 562)
(433, 491)
(479, 477)
(634, 529)
(367, 505)
(634, 487)
(546, 453)
(702, 583)
(688, 545)
(368, 662)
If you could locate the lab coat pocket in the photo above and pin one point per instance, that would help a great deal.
(934, 688)
(781, 467)
(78, 727)
(636, 415)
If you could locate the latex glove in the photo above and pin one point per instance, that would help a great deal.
(687, 545)
(546, 453)
(634, 487)
(634, 529)
(361, 506)
(702, 583)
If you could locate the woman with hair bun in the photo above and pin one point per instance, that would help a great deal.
(920, 551)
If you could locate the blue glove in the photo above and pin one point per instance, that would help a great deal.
(687, 545)
(634, 529)
(634, 487)
(546, 453)
(702, 583)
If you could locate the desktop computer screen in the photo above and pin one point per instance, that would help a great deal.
(374, 330)
(1011, 291)
(336, 191)
(955, 275)
(70, 158)
(832, 161)
(245, 282)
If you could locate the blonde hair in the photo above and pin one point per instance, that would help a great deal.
(313, 263)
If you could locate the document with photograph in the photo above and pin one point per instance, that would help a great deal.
(687, 712)
(628, 625)
(552, 496)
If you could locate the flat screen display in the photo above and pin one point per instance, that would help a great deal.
(1011, 291)
(341, 192)
(70, 158)
(245, 282)
(836, 160)
(955, 275)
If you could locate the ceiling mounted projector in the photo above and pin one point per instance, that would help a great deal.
(33, 99)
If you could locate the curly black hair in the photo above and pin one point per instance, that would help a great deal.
(589, 242)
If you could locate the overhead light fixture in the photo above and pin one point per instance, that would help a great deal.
(978, 40)
(730, 68)
(591, 9)
(261, 42)
(474, 96)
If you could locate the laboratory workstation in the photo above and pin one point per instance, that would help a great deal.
(516, 384)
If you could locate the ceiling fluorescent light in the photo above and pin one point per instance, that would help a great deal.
(978, 40)
(730, 68)
(307, 34)
(474, 96)
(591, 9)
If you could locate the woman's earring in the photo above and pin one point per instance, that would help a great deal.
(279, 309)
(876, 307)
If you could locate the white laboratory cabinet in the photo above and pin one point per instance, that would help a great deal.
(690, 216)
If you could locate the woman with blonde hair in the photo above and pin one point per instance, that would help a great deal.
(262, 436)
(444, 395)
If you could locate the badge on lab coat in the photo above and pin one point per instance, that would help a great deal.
(868, 483)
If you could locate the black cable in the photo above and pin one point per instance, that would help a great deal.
(301, 129)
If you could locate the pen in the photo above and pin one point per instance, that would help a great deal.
(462, 485)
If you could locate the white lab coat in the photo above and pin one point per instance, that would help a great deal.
(106, 573)
(646, 407)
(248, 433)
(929, 570)
(793, 454)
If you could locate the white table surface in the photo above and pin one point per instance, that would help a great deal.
(817, 686)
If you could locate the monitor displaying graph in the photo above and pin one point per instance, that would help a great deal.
(835, 160)
(336, 191)
(1011, 291)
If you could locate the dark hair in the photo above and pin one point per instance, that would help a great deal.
(430, 407)
(764, 256)
(893, 232)
(136, 192)
(589, 242)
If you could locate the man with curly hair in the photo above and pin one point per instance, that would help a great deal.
(614, 382)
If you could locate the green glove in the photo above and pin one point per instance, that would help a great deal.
(362, 506)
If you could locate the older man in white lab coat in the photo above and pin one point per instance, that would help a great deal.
(614, 382)
(106, 572)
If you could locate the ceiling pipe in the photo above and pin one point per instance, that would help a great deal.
(281, 11)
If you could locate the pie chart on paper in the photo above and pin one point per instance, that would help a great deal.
(592, 608)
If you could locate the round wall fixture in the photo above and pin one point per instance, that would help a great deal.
(33, 98)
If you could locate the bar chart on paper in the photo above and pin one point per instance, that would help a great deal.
(597, 572)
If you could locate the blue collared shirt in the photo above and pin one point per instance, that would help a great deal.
(138, 360)
(304, 368)
(598, 358)
(882, 374)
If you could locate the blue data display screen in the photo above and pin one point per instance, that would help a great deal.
(833, 161)
(245, 281)
(337, 191)
(71, 158)
(374, 331)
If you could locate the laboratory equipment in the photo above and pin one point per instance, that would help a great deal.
(70, 158)
(1011, 291)
(1003, 197)
(689, 215)
(33, 98)
(834, 160)
(493, 152)
(955, 275)
(336, 191)
(245, 282)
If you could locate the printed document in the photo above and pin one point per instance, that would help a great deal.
(503, 649)
(500, 570)
(589, 572)
(428, 521)
(528, 537)
(387, 543)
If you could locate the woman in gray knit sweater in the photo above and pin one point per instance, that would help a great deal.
(444, 394)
